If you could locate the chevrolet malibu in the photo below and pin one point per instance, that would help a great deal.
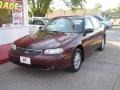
(62, 44)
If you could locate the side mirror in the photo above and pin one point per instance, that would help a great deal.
(88, 30)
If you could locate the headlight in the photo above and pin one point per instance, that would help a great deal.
(13, 46)
(54, 51)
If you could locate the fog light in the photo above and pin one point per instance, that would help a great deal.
(52, 67)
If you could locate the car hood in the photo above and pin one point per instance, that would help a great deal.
(45, 40)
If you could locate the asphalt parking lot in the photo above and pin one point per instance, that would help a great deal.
(99, 71)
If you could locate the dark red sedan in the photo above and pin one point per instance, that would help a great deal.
(61, 44)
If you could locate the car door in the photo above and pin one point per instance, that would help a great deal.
(88, 38)
(98, 32)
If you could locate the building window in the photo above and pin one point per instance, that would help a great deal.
(11, 13)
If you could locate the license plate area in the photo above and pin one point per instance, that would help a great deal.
(25, 60)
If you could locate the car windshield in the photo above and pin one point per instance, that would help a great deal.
(64, 25)
(39, 21)
(46, 20)
(30, 21)
(36, 22)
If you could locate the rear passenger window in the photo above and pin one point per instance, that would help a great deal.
(96, 23)
(88, 24)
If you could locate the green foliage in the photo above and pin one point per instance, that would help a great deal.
(5, 16)
(75, 4)
(29, 14)
(97, 7)
(118, 9)
(39, 8)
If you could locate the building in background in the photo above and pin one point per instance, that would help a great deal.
(68, 12)
(114, 17)
(13, 20)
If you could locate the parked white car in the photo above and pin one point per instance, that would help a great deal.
(104, 21)
(36, 23)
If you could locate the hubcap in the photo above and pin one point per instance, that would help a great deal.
(77, 60)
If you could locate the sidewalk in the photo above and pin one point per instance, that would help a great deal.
(4, 49)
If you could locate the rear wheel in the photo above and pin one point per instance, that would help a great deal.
(76, 60)
(102, 45)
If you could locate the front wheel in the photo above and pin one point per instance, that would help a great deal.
(76, 60)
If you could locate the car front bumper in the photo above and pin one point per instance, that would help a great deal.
(61, 61)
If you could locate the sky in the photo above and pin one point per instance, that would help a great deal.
(106, 4)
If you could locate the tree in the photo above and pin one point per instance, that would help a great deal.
(5, 16)
(41, 7)
(97, 7)
(75, 4)
(118, 9)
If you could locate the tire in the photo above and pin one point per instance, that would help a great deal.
(76, 61)
(102, 45)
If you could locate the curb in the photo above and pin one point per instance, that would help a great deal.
(4, 53)
(4, 61)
